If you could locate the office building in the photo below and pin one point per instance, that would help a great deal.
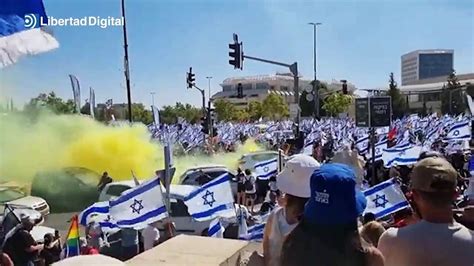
(424, 64)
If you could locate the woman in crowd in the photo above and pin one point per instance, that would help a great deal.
(240, 187)
(293, 181)
(250, 190)
(328, 233)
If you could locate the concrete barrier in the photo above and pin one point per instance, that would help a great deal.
(196, 250)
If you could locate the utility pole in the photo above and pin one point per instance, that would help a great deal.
(315, 83)
(209, 107)
(126, 64)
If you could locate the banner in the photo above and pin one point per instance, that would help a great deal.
(76, 91)
(91, 102)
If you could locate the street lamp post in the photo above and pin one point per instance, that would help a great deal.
(315, 83)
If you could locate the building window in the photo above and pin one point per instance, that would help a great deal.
(247, 87)
(435, 65)
(262, 86)
(254, 95)
(430, 97)
(227, 87)
(272, 88)
(284, 88)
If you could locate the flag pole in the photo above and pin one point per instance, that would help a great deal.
(126, 63)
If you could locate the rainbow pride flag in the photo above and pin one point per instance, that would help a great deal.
(72, 239)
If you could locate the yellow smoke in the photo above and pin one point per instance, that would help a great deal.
(53, 142)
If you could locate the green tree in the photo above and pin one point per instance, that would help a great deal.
(140, 114)
(452, 100)
(169, 114)
(398, 101)
(337, 103)
(225, 110)
(255, 110)
(51, 102)
(240, 115)
(274, 107)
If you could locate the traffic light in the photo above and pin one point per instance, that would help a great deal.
(205, 125)
(236, 54)
(190, 79)
(344, 86)
(240, 91)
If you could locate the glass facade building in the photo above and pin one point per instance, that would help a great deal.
(423, 64)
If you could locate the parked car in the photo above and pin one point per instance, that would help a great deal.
(248, 161)
(15, 197)
(191, 176)
(70, 189)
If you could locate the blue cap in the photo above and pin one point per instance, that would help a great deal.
(335, 200)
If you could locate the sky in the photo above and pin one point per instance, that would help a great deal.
(360, 41)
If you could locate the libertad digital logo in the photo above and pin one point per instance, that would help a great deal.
(32, 21)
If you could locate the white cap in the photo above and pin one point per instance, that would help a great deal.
(295, 177)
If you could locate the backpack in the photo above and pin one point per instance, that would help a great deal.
(248, 184)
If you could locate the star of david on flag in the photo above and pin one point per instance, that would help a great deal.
(266, 169)
(211, 200)
(139, 206)
(385, 198)
(459, 131)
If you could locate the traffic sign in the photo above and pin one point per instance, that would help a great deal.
(362, 112)
(380, 111)
(373, 111)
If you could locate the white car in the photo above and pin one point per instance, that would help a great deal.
(191, 176)
(17, 198)
(180, 216)
(248, 161)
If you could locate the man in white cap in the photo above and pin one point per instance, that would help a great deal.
(293, 181)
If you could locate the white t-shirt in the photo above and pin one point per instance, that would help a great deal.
(150, 236)
(426, 243)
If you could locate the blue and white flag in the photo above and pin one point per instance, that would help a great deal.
(216, 229)
(21, 31)
(362, 144)
(405, 156)
(266, 169)
(211, 200)
(96, 212)
(254, 233)
(91, 102)
(385, 198)
(76, 91)
(459, 131)
(156, 115)
(139, 206)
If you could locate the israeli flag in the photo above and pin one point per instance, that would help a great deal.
(96, 212)
(216, 229)
(139, 206)
(459, 131)
(362, 145)
(385, 198)
(406, 156)
(379, 148)
(255, 233)
(21, 31)
(266, 169)
(211, 200)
